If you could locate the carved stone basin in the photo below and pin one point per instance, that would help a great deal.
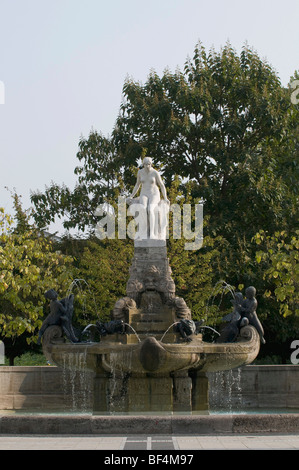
(127, 374)
(153, 356)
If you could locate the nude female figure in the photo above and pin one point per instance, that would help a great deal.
(150, 181)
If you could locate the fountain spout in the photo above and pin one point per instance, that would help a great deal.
(213, 329)
(165, 332)
(134, 331)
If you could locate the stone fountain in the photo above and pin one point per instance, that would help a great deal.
(151, 357)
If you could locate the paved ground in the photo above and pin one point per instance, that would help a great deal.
(163, 443)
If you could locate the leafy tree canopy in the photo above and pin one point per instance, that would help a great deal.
(29, 267)
(224, 123)
(217, 123)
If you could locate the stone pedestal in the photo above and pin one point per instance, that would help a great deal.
(200, 391)
(182, 392)
(150, 393)
(150, 286)
(101, 393)
(150, 271)
(133, 394)
(154, 313)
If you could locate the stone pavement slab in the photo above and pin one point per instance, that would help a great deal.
(147, 443)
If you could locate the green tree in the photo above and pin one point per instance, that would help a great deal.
(218, 123)
(99, 181)
(194, 271)
(28, 268)
(214, 124)
(104, 265)
(280, 256)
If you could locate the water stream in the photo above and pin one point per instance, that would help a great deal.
(76, 381)
(225, 391)
(175, 323)
(221, 287)
(134, 331)
(77, 283)
(210, 328)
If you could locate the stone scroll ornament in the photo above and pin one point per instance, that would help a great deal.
(121, 308)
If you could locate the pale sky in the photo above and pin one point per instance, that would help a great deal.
(63, 64)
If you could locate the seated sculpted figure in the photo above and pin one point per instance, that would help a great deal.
(249, 306)
(61, 312)
(233, 321)
(244, 313)
(150, 181)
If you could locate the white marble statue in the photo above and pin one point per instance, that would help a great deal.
(151, 209)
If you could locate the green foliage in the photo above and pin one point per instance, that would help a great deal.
(30, 359)
(214, 124)
(99, 181)
(280, 255)
(221, 123)
(28, 267)
(104, 265)
(193, 271)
